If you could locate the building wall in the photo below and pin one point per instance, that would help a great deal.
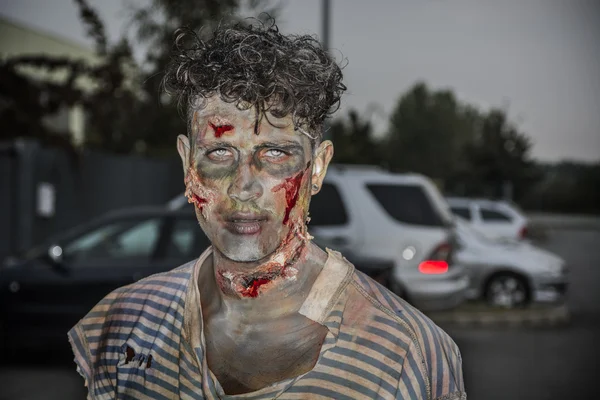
(16, 39)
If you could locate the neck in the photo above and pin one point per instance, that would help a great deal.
(284, 278)
(250, 280)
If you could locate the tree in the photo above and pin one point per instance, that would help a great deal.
(471, 153)
(354, 142)
(157, 116)
(127, 111)
(500, 153)
(27, 102)
(427, 132)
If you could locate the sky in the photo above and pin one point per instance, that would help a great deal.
(538, 59)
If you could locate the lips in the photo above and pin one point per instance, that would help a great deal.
(245, 223)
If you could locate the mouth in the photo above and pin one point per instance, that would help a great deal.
(245, 223)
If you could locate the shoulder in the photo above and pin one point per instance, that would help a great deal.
(156, 294)
(144, 316)
(430, 360)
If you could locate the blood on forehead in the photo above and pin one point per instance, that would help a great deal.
(220, 129)
(218, 124)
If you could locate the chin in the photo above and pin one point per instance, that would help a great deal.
(246, 249)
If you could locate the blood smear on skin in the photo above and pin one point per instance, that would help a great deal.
(292, 189)
(221, 129)
(433, 267)
(199, 200)
(252, 289)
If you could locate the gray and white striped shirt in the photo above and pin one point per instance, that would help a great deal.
(145, 341)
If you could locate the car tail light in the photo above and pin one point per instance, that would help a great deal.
(433, 267)
(523, 232)
(438, 261)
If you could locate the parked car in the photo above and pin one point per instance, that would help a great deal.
(379, 269)
(495, 218)
(509, 274)
(45, 291)
(375, 214)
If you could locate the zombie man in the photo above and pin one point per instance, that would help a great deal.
(263, 313)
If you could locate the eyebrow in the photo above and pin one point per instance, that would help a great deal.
(215, 144)
(286, 145)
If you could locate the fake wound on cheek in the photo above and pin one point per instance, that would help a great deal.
(292, 187)
(195, 192)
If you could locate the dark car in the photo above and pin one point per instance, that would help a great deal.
(47, 290)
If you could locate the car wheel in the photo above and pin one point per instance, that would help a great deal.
(507, 291)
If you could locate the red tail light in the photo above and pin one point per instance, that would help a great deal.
(438, 261)
(523, 232)
(433, 267)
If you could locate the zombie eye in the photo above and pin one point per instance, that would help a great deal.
(275, 153)
(219, 154)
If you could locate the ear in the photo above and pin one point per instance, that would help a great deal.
(323, 155)
(183, 148)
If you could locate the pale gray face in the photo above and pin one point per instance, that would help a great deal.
(250, 188)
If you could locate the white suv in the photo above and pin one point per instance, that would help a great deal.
(402, 217)
(496, 219)
(376, 215)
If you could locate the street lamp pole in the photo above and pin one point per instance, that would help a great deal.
(325, 17)
(326, 8)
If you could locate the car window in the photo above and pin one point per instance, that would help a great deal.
(406, 203)
(467, 233)
(493, 216)
(327, 207)
(117, 239)
(187, 239)
(464, 212)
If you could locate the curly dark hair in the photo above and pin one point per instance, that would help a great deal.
(257, 66)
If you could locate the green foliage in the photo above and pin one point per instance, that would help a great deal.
(471, 152)
(128, 111)
(499, 153)
(354, 142)
(426, 132)
(28, 102)
(430, 132)
(566, 187)
(157, 117)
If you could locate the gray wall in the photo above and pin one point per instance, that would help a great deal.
(86, 185)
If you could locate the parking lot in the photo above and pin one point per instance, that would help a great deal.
(543, 364)
(503, 363)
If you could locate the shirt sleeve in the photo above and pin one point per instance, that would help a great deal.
(447, 378)
(422, 380)
(90, 326)
(81, 352)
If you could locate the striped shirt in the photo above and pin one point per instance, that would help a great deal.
(145, 341)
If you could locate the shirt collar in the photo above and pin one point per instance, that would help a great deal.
(324, 303)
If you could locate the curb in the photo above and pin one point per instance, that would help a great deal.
(537, 317)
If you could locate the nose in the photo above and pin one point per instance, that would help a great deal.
(245, 186)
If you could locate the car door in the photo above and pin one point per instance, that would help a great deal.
(183, 241)
(110, 255)
(495, 223)
(330, 220)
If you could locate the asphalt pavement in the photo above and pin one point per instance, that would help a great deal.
(543, 364)
(504, 363)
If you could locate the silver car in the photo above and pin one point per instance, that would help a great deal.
(509, 273)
